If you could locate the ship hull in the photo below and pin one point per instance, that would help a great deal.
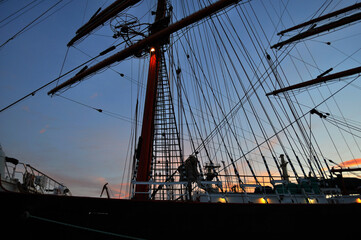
(59, 217)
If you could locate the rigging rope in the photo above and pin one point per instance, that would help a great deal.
(21, 14)
(109, 113)
(302, 116)
(28, 25)
(22, 8)
(62, 66)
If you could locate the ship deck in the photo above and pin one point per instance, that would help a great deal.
(38, 216)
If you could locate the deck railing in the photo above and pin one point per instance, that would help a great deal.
(31, 180)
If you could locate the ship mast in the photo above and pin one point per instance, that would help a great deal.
(145, 145)
(146, 42)
(314, 30)
(318, 80)
(100, 18)
(321, 18)
(158, 154)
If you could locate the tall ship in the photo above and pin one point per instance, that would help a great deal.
(235, 121)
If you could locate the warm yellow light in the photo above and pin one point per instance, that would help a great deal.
(312, 200)
(152, 49)
(263, 200)
(222, 200)
(358, 200)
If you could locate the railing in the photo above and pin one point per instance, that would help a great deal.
(32, 180)
(173, 194)
(248, 184)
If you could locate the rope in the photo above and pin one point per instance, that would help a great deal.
(109, 113)
(81, 227)
(302, 116)
(62, 66)
(24, 28)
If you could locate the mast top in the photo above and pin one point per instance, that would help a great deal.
(323, 17)
(100, 18)
(146, 42)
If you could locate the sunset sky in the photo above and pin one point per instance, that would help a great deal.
(71, 142)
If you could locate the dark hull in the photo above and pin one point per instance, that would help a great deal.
(55, 217)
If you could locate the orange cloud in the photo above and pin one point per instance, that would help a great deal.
(119, 190)
(101, 180)
(351, 163)
(44, 129)
(122, 194)
(94, 95)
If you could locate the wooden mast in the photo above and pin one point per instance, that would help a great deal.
(323, 17)
(326, 27)
(316, 30)
(159, 35)
(145, 145)
(318, 80)
(148, 41)
(100, 18)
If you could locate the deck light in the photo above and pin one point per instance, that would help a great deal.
(312, 200)
(263, 200)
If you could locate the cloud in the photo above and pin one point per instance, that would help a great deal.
(92, 186)
(115, 190)
(351, 163)
(44, 129)
(121, 190)
(94, 95)
(101, 180)
(25, 108)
